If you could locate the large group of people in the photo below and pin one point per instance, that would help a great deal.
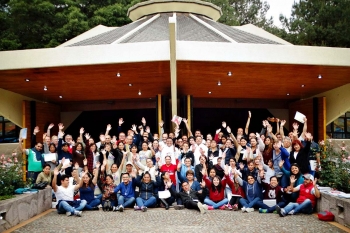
(266, 171)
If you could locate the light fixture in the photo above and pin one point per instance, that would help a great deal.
(302, 85)
(27, 79)
(45, 88)
(209, 92)
(219, 83)
(319, 76)
(287, 93)
(118, 75)
(229, 73)
(60, 97)
(139, 93)
(130, 84)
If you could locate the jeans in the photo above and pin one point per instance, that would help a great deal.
(64, 207)
(215, 205)
(151, 202)
(126, 201)
(245, 203)
(305, 207)
(261, 205)
(92, 204)
(33, 176)
(284, 181)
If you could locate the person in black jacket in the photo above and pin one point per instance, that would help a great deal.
(189, 197)
(300, 154)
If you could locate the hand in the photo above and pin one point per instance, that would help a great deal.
(114, 139)
(226, 170)
(261, 168)
(315, 181)
(308, 136)
(150, 145)
(184, 120)
(55, 171)
(143, 120)
(223, 124)
(179, 165)
(292, 179)
(121, 121)
(305, 120)
(62, 160)
(264, 123)
(161, 123)
(81, 131)
(249, 114)
(103, 152)
(51, 126)
(44, 136)
(277, 120)
(53, 161)
(193, 147)
(133, 128)
(156, 173)
(158, 159)
(280, 164)
(295, 126)
(228, 129)
(202, 184)
(102, 138)
(98, 164)
(87, 136)
(73, 143)
(201, 150)
(109, 127)
(60, 126)
(257, 135)
(76, 166)
(283, 122)
(223, 155)
(148, 130)
(169, 184)
(241, 166)
(85, 162)
(36, 130)
(217, 131)
(279, 144)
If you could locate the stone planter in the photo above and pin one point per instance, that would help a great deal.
(23, 207)
(340, 207)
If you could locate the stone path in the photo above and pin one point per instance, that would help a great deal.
(160, 220)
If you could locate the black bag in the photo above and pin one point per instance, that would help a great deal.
(41, 185)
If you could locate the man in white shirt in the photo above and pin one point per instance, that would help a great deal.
(198, 149)
(65, 196)
(169, 150)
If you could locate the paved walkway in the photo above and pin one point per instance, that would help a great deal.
(160, 220)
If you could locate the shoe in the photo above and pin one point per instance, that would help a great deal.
(228, 206)
(121, 208)
(249, 210)
(243, 209)
(143, 208)
(205, 207)
(178, 207)
(136, 208)
(201, 208)
(235, 207)
(164, 203)
(95, 208)
(78, 213)
(116, 208)
(280, 211)
(104, 208)
(223, 207)
(262, 210)
(291, 212)
(210, 207)
(109, 207)
(68, 214)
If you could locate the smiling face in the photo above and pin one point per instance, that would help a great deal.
(273, 181)
(109, 180)
(188, 162)
(114, 168)
(232, 163)
(146, 178)
(86, 179)
(212, 173)
(294, 170)
(144, 146)
(216, 181)
(121, 146)
(39, 146)
(46, 170)
(149, 163)
(296, 147)
(250, 180)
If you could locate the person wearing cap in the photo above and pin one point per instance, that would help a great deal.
(308, 193)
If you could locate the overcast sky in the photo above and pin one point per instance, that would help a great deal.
(278, 7)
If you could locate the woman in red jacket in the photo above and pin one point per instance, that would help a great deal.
(216, 188)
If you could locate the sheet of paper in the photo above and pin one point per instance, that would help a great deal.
(23, 133)
(49, 157)
(299, 117)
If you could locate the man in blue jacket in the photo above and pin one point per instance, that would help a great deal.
(127, 194)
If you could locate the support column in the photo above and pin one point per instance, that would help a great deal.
(159, 112)
(173, 71)
(189, 112)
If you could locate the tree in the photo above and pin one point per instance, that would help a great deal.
(319, 23)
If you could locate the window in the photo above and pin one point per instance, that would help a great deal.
(340, 128)
(9, 132)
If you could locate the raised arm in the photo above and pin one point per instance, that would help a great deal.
(246, 130)
(304, 128)
(187, 127)
(48, 133)
(54, 180)
(108, 128)
(283, 122)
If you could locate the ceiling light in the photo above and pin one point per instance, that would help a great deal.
(287, 93)
(209, 92)
(45, 88)
(319, 76)
(229, 73)
(302, 85)
(118, 75)
(130, 84)
(219, 83)
(27, 79)
(60, 97)
(139, 93)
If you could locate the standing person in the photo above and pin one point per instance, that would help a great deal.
(65, 196)
(36, 160)
(144, 154)
(198, 148)
(308, 193)
(78, 155)
(300, 154)
(92, 156)
(48, 149)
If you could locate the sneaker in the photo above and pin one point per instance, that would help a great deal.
(144, 208)
(291, 212)
(210, 207)
(109, 207)
(223, 207)
(105, 205)
(249, 210)
(205, 207)
(78, 213)
(121, 208)
(136, 208)
(178, 207)
(262, 210)
(68, 214)
(228, 206)
(243, 209)
(116, 208)
(235, 207)
(280, 211)
(201, 208)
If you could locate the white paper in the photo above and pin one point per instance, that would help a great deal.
(49, 157)
(176, 119)
(269, 202)
(23, 133)
(312, 165)
(66, 161)
(164, 194)
(299, 117)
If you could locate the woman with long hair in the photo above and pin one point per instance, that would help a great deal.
(87, 191)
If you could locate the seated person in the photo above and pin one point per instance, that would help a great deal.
(147, 189)
(308, 193)
(166, 202)
(272, 191)
(65, 196)
(46, 174)
(236, 192)
(127, 193)
(87, 191)
(249, 170)
(252, 191)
